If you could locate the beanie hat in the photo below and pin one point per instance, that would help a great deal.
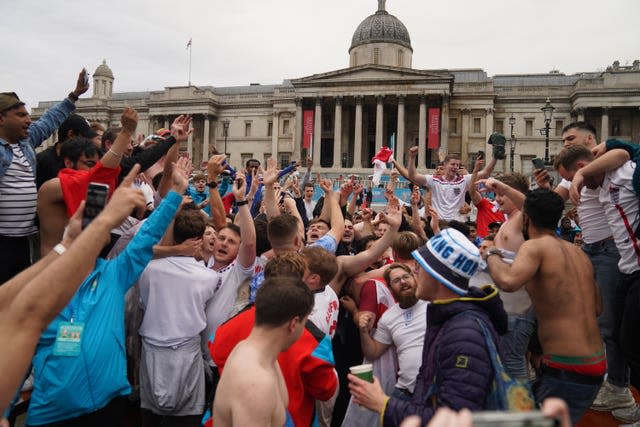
(450, 258)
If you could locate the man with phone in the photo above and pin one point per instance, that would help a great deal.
(601, 249)
(19, 138)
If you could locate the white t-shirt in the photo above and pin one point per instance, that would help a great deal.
(448, 196)
(325, 311)
(225, 288)
(593, 224)
(623, 215)
(405, 329)
(174, 292)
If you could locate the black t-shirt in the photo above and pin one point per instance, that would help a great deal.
(48, 165)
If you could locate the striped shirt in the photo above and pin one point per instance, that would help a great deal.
(18, 197)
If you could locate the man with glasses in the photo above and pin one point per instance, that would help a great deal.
(19, 137)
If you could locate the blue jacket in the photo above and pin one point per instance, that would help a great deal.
(455, 360)
(67, 387)
(39, 131)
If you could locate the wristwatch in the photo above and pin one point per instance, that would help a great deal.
(212, 184)
(493, 251)
(72, 96)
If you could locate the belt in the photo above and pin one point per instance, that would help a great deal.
(601, 241)
(573, 377)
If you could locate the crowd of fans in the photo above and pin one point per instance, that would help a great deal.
(233, 297)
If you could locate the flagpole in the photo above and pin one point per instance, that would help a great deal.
(189, 47)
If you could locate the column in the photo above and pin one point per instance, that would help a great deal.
(297, 138)
(167, 125)
(317, 131)
(379, 122)
(274, 136)
(580, 112)
(444, 126)
(400, 132)
(422, 133)
(337, 134)
(464, 137)
(150, 128)
(604, 131)
(357, 137)
(205, 137)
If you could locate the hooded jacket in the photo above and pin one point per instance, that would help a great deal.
(456, 369)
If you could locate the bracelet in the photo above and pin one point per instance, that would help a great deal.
(59, 249)
(114, 153)
(72, 96)
(212, 184)
(242, 203)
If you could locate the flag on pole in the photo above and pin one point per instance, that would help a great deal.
(189, 43)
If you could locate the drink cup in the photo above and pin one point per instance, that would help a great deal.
(364, 372)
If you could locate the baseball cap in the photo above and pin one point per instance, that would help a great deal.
(78, 124)
(9, 100)
(450, 258)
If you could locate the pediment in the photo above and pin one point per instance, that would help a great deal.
(373, 73)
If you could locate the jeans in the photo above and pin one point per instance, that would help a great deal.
(579, 391)
(515, 343)
(629, 342)
(604, 256)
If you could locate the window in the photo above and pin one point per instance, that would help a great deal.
(245, 157)
(559, 127)
(285, 159)
(267, 156)
(400, 58)
(376, 55)
(269, 128)
(526, 167)
(453, 126)
(615, 127)
(477, 125)
(528, 127)
(247, 129)
(285, 127)
(499, 126)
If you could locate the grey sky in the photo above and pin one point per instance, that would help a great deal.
(46, 43)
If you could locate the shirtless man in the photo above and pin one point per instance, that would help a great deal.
(559, 279)
(252, 391)
(510, 190)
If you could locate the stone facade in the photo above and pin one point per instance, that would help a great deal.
(358, 109)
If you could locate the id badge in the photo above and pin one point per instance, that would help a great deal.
(69, 339)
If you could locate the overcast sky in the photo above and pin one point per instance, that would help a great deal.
(46, 43)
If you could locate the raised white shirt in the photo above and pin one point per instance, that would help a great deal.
(325, 311)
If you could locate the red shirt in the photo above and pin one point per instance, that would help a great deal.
(74, 183)
(488, 212)
(375, 297)
(308, 375)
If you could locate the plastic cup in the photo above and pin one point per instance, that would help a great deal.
(364, 372)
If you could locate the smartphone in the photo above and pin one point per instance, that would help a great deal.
(94, 202)
(480, 155)
(86, 77)
(538, 163)
(512, 419)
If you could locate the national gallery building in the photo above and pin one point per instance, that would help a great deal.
(343, 117)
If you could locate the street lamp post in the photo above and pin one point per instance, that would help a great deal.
(512, 142)
(225, 125)
(548, 114)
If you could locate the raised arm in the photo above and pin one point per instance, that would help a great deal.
(486, 172)
(473, 190)
(414, 176)
(269, 178)
(335, 213)
(129, 120)
(371, 349)
(247, 250)
(608, 161)
(503, 189)
(215, 168)
(416, 224)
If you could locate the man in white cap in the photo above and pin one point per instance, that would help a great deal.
(456, 371)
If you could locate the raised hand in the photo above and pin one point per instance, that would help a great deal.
(270, 175)
(239, 188)
(180, 128)
(129, 120)
(326, 185)
(180, 174)
(415, 197)
(413, 151)
(82, 85)
(215, 165)
(124, 200)
(393, 216)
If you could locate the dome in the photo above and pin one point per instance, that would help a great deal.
(381, 27)
(103, 70)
